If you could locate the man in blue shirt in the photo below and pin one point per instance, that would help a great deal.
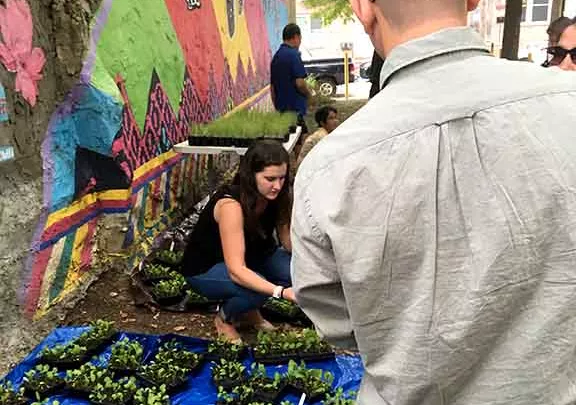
(287, 73)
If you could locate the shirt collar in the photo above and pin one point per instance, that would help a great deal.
(439, 43)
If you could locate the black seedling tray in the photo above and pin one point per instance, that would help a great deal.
(228, 384)
(168, 301)
(274, 358)
(316, 356)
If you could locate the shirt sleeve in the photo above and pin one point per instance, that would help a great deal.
(316, 281)
(298, 69)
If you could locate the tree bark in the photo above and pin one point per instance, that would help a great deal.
(557, 9)
(511, 37)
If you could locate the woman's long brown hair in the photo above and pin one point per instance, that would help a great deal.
(259, 156)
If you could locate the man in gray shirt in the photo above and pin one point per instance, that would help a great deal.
(435, 230)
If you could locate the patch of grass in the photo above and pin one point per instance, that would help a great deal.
(248, 124)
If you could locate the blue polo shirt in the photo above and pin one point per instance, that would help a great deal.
(286, 67)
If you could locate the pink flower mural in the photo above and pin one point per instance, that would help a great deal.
(16, 52)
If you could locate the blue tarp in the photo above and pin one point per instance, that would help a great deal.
(347, 370)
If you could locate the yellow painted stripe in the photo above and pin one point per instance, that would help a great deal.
(84, 202)
(152, 164)
(50, 272)
(162, 192)
(43, 310)
(149, 214)
(248, 101)
(74, 271)
(136, 212)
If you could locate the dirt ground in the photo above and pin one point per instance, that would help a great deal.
(113, 298)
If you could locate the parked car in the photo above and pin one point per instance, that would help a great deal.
(329, 73)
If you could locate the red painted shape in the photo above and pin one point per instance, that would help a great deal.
(38, 270)
(197, 31)
(65, 224)
(86, 255)
(259, 40)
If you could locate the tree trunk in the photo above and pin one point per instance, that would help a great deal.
(511, 36)
(557, 9)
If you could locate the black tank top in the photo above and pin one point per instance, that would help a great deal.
(204, 248)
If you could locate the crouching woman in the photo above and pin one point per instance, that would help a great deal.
(232, 254)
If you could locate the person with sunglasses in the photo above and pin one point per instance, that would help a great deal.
(562, 49)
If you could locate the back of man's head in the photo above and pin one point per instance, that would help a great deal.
(557, 27)
(291, 31)
(402, 14)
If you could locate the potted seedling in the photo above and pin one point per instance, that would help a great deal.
(314, 348)
(126, 356)
(172, 352)
(152, 272)
(165, 373)
(169, 292)
(152, 396)
(46, 402)
(42, 381)
(276, 347)
(224, 349)
(99, 334)
(197, 301)
(110, 392)
(9, 396)
(80, 382)
(340, 398)
(169, 257)
(314, 383)
(266, 389)
(64, 356)
(228, 374)
(284, 311)
(240, 395)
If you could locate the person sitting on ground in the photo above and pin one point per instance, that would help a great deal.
(327, 119)
(232, 254)
(562, 44)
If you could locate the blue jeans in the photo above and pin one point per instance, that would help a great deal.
(216, 284)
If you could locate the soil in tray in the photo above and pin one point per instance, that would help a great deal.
(93, 402)
(65, 364)
(151, 280)
(310, 399)
(274, 358)
(268, 396)
(76, 393)
(230, 142)
(46, 393)
(276, 317)
(171, 388)
(216, 356)
(169, 301)
(123, 372)
(317, 356)
(229, 384)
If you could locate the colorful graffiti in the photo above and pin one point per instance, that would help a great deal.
(3, 105)
(16, 52)
(153, 69)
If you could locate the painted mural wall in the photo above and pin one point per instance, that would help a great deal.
(153, 68)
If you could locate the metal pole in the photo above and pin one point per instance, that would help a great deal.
(346, 74)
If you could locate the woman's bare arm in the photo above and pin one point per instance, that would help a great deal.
(284, 236)
(228, 215)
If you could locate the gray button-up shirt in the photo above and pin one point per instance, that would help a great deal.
(436, 230)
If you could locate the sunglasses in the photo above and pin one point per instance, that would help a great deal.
(556, 54)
